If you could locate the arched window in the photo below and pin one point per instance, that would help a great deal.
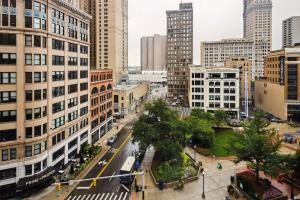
(94, 90)
(232, 83)
(211, 83)
(217, 83)
(109, 87)
(102, 89)
(226, 84)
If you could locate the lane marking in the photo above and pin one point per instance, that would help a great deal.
(74, 197)
(116, 197)
(83, 197)
(118, 188)
(125, 187)
(78, 197)
(111, 159)
(97, 196)
(93, 196)
(111, 196)
(106, 196)
(125, 195)
(112, 175)
(120, 196)
(87, 198)
(82, 188)
(102, 196)
(69, 197)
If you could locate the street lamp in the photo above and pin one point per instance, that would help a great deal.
(203, 195)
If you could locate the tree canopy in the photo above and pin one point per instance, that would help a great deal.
(220, 117)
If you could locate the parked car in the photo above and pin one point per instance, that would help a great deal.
(112, 140)
(276, 120)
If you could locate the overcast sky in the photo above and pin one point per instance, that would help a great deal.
(213, 20)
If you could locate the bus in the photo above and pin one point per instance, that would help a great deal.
(127, 168)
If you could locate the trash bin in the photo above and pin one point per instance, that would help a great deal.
(160, 185)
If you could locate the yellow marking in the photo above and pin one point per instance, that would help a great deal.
(118, 150)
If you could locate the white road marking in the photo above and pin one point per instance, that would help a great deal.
(78, 197)
(74, 197)
(125, 195)
(118, 188)
(106, 196)
(83, 197)
(125, 187)
(69, 197)
(120, 196)
(111, 196)
(92, 197)
(102, 196)
(112, 175)
(83, 188)
(116, 197)
(87, 198)
(97, 196)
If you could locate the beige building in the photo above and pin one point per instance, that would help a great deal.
(44, 87)
(245, 68)
(279, 91)
(109, 35)
(291, 31)
(128, 97)
(179, 50)
(154, 53)
(257, 20)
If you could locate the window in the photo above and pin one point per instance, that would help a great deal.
(45, 163)
(83, 86)
(37, 41)
(28, 114)
(72, 61)
(7, 77)
(58, 76)
(57, 107)
(37, 131)
(8, 97)
(58, 45)
(72, 143)
(72, 75)
(28, 151)
(37, 167)
(28, 77)
(36, 23)
(8, 173)
(58, 122)
(72, 88)
(28, 40)
(28, 22)
(8, 135)
(28, 4)
(8, 58)
(83, 62)
(28, 95)
(28, 170)
(83, 74)
(58, 60)
(72, 47)
(83, 49)
(37, 113)
(13, 153)
(4, 154)
(58, 138)
(73, 129)
(58, 153)
(72, 102)
(8, 116)
(58, 91)
(83, 111)
(72, 116)
(37, 95)
(44, 59)
(37, 77)
(28, 59)
(7, 39)
(36, 6)
(28, 132)
(4, 19)
(37, 149)
(83, 98)
(37, 59)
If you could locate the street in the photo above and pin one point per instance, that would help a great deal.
(110, 164)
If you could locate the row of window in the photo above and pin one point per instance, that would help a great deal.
(8, 116)
(36, 131)
(35, 77)
(9, 154)
(35, 41)
(36, 149)
(38, 59)
(35, 113)
(60, 60)
(35, 168)
(36, 95)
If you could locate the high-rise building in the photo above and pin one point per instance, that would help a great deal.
(44, 89)
(279, 92)
(154, 53)
(109, 35)
(291, 31)
(257, 20)
(213, 54)
(212, 89)
(179, 50)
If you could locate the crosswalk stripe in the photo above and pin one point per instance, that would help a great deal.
(106, 196)
(125, 195)
(74, 197)
(78, 197)
(120, 196)
(69, 197)
(111, 196)
(97, 196)
(92, 197)
(102, 196)
(83, 197)
(116, 197)
(87, 198)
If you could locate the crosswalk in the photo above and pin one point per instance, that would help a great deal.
(100, 196)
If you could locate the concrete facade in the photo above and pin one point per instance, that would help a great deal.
(291, 31)
(179, 50)
(149, 76)
(154, 53)
(279, 92)
(109, 35)
(213, 89)
(44, 87)
(257, 20)
(128, 97)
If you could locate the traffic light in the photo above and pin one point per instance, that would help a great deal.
(94, 183)
(58, 187)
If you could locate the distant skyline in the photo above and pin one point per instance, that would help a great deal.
(213, 20)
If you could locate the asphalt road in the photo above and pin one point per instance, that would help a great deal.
(107, 189)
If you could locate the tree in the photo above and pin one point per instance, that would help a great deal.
(256, 145)
(220, 117)
(200, 114)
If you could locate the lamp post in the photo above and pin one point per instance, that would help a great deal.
(203, 195)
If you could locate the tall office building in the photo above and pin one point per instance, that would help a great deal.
(257, 20)
(44, 87)
(109, 35)
(179, 50)
(291, 31)
(154, 53)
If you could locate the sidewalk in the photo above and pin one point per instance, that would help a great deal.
(50, 192)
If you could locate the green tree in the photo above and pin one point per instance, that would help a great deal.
(200, 114)
(256, 145)
(220, 117)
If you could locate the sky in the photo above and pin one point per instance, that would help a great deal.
(213, 20)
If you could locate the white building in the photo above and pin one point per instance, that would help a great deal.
(213, 89)
(214, 53)
(158, 77)
(291, 31)
(154, 53)
(257, 20)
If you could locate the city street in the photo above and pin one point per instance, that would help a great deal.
(110, 164)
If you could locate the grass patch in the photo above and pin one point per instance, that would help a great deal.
(220, 146)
